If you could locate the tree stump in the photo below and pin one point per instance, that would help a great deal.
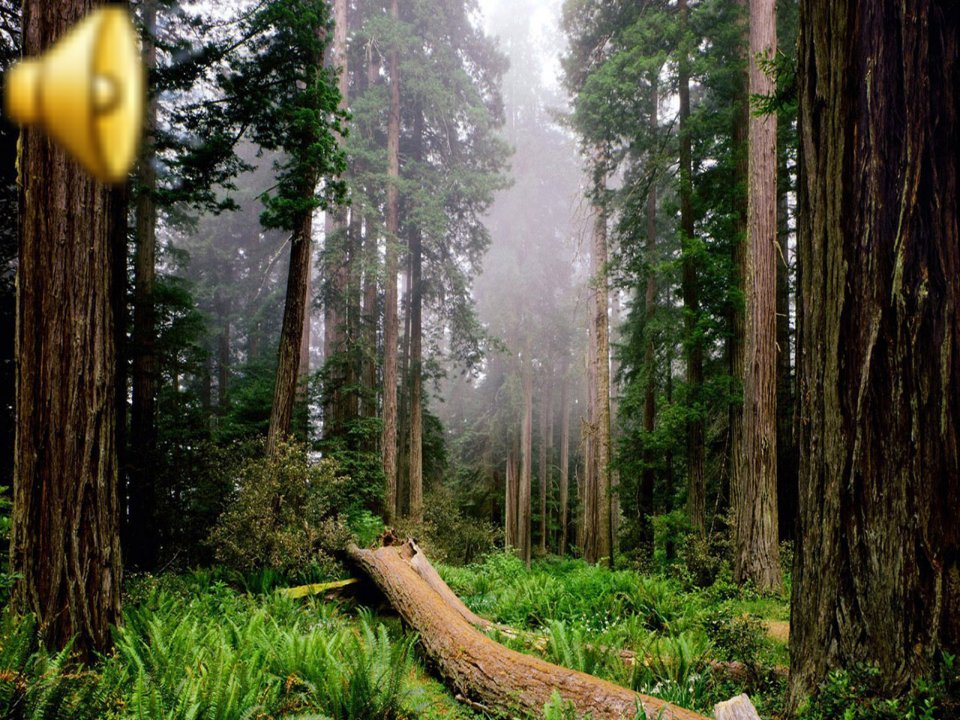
(738, 708)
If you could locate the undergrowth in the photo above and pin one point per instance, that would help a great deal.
(221, 655)
(583, 617)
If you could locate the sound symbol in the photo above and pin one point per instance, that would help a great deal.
(87, 92)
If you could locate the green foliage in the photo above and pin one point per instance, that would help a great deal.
(284, 515)
(670, 533)
(735, 637)
(7, 579)
(448, 534)
(205, 652)
(35, 684)
(860, 694)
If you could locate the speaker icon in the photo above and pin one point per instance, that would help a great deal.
(88, 93)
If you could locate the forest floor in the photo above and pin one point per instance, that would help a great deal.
(209, 645)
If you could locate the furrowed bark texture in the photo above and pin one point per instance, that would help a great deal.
(65, 531)
(757, 530)
(479, 668)
(391, 322)
(878, 558)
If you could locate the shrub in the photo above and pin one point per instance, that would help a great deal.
(670, 533)
(704, 559)
(447, 534)
(284, 515)
(860, 694)
(734, 636)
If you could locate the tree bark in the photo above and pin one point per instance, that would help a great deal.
(544, 475)
(511, 503)
(696, 484)
(757, 529)
(141, 546)
(503, 681)
(391, 327)
(787, 459)
(587, 488)
(565, 468)
(288, 362)
(336, 261)
(416, 346)
(601, 327)
(877, 575)
(371, 268)
(736, 343)
(648, 480)
(525, 500)
(65, 542)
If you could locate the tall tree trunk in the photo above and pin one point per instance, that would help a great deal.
(565, 468)
(757, 529)
(696, 485)
(371, 268)
(223, 358)
(525, 512)
(288, 362)
(588, 488)
(65, 543)
(370, 322)
(141, 538)
(542, 462)
(416, 345)
(511, 502)
(601, 327)
(736, 343)
(877, 575)
(391, 326)
(336, 260)
(614, 409)
(295, 307)
(786, 439)
(648, 480)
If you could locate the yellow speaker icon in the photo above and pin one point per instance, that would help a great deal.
(87, 92)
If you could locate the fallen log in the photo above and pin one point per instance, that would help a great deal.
(481, 669)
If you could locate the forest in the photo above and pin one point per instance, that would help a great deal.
(468, 359)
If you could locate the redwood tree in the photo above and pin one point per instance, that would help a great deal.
(140, 537)
(300, 118)
(696, 483)
(65, 541)
(756, 530)
(391, 320)
(878, 556)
